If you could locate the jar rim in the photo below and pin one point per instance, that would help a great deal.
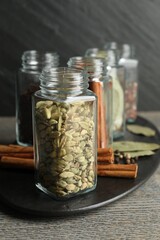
(33, 59)
(87, 58)
(62, 71)
(63, 79)
(34, 53)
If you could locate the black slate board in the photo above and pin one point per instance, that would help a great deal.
(17, 187)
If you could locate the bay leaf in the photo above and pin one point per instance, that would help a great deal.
(130, 146)
(137, 129)
(140, 153)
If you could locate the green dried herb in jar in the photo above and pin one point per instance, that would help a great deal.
(64, 113)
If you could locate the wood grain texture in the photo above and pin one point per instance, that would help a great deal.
(70, 27)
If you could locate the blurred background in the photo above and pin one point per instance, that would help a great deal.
(69, 27)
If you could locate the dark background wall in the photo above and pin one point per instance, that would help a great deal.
(69, 27)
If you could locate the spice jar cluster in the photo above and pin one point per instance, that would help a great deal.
(68, 113)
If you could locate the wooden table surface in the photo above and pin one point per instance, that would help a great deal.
(135, 216)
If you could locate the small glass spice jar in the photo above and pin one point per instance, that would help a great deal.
(27, 83)
(130, 63)
(116, 73)
(64, 122)
(96, 53)
(100, 83)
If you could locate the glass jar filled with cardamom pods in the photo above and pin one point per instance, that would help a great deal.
(101, 84)
(27, 83)
(65, 130)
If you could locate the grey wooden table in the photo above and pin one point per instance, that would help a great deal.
(135, 216)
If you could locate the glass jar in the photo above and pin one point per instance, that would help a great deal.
(130, 63)
(101, 85)
(96, 53)
(27, 83)
(111, 45)
(116, 73)
(64, 114)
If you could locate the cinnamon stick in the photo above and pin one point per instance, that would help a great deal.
(105, 159)
(97, 88)
(106, 155)
(105, 151)
(118, 170)
(14, 148)
(18, 154)
(22, 157)
(7, 161)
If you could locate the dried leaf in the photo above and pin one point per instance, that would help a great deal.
(141, 153)
(137, 129)
(129, 146)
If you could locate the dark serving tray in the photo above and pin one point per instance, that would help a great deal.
(17, 188)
